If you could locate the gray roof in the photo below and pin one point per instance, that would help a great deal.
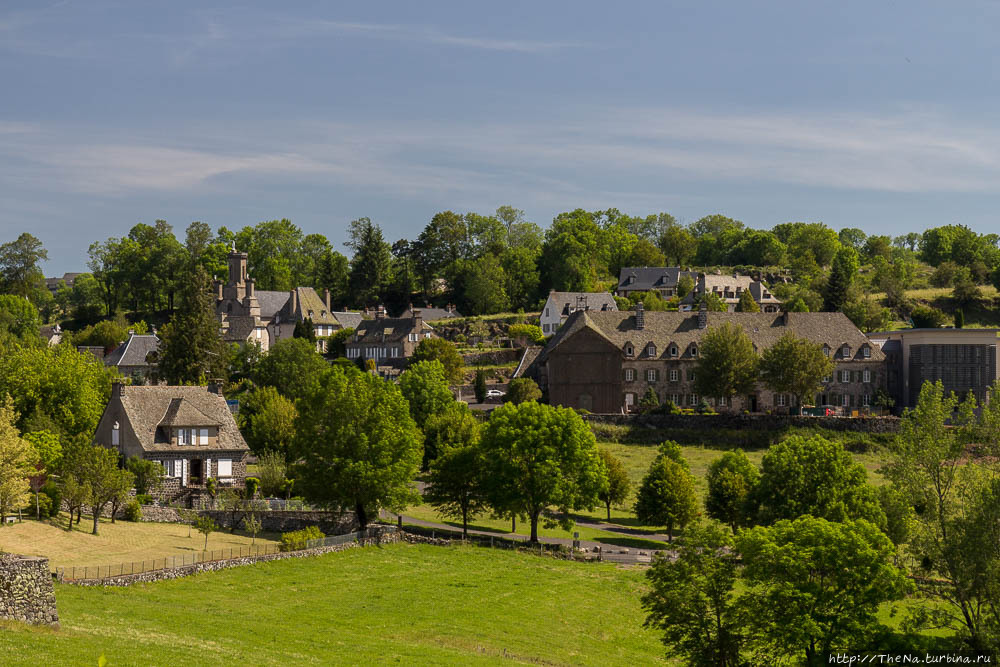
(240, 328)
(348, 320)
(150, 407)
(525, 367)
(652, 277)
(271, 302)
(133, 352)
(681, 329)
(431, 314)
(385, 329)
(567, 302)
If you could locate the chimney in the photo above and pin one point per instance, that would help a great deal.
(250, 287)
(293, 300)
(640, 316)
(703, 315)
(450, 308)
(784, 318)
(218, 290)
(326, 299)
(215, 386)
(418, 321)
(379, 312)
(118, 389)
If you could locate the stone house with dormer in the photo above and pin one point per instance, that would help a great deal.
(388, 340)
(560, 305)
(660, 279)
(729, 289)
(247, 314)
(605, 362)
(189, 430)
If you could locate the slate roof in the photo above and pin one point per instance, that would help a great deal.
(271, 302)
(567, 302)
(681, 329)
(348, 320)
(307, 300)
(719, 285)
(133, 351)
(240, 328)
(430, 314)
(525, 367)
(385, 330)
(150, 407)
(652, 277)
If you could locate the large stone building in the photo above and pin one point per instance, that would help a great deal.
(247, 314)
(190, 430)
(963, 359)
(660, 279)
(388, 340)
(605, 362)
(729, 289)
(560, 305)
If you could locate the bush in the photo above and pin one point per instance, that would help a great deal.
(144, 499)
(132, 511)
(927, 317)
(296, 540)
(55, 497)
(44, 508)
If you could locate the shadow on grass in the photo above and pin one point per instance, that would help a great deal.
(457, 525)
(631, 542)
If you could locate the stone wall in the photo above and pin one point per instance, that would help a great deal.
(272, 521)
(378, 537)
(26, 593)
(751, 422)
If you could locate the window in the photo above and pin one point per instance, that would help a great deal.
(183, 436)
(866, 400)
(845, 400)
(675, 399)
(427, 335)
(866, 376)
(115, 434)
(628, 349)
(827, 378)
(722, 401)
(694, 350)
(225, 468)
(630, 399)
(845, 351)
(779, 400)
(629, 374)
(546, 312)
(826, 350)
(693, 399)
(650, 350)
(690, 376)
(674, 375)
(203, 436)
(866, 352)
(413, 337)
(673, 350)
(651, 375)
(845, 376)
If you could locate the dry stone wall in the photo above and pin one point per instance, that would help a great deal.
(751, 422)
(272, 521)
(26, 592)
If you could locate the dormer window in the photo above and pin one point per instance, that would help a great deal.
(845, 351)
(651, 350)
(115, 434)
(673, 350)
(826, 350)
(629, 350)
(694, 350)
(866, 352)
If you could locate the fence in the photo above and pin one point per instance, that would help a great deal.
(81, 573)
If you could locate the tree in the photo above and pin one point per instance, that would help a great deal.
(206, 526)
(852, 237)
(732, 482)
(191, 350)
(253, 525)
(692, 600)
(650, 400)
(453, 427)
(522, 390)
(959, 318)
(18, 461)
(928, 469)
(713, 302)
(927, 317)
(292, 366)
(425, 389)
(747, 304)
(666, 496)
(966, 290)
(359, 447)
(814, 476)
(678, 244)
(539, 456)
(49, 454)
(106, 481)
(484, 286)
(815, 585)
(684, 285)
(305, 329)
(455, 483)
(796, 366)
(843, 274)
(727, 362)
(19, 317)
(480, 386)
(444, 351)
(526, 334)
(267, 421)
(19, 264)
(616, 491)
(371, 264)
(148, 475)
(271, 469)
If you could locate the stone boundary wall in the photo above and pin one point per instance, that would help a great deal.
(272, 521)
(501, 356)
(26, 592)
(384, 537)
(751, 422)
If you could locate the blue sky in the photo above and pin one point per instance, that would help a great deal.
(881, 115)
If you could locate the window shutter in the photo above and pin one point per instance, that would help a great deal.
(207, 472)
(184, 472)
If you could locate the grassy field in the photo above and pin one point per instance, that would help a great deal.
(122, 541)
(397, 604)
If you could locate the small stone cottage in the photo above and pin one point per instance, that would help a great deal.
(189, 430)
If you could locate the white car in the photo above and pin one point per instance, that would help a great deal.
(494, 393)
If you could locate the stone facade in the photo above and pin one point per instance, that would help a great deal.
(26, 592)
(731, 421)
(272, 521)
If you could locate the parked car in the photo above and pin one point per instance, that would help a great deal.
(494, 393)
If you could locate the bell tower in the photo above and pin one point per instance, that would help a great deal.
(236, 288)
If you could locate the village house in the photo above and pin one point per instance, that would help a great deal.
(189, 430)
(432, 314)
(605, 361)
(388, 339)
(136, 357)
(729, 289)
(660, 279)
(247, 314)
(560, 305)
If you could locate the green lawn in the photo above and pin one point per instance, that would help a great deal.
(398, 604)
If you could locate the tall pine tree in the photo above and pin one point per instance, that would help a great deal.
(191, 349)
(842, 276)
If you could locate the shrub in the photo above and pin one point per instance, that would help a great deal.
(927, 317)
(132, 511)
(144, 499)
(55, 496)
(297, 539)
(44, 508)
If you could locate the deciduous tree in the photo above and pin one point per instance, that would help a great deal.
(666, 496)
(732, 483)
(796, 366)
(425, 388)
(727, 362)
(17, 462)
(522, 390)
(444, 351)
(617, 490)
